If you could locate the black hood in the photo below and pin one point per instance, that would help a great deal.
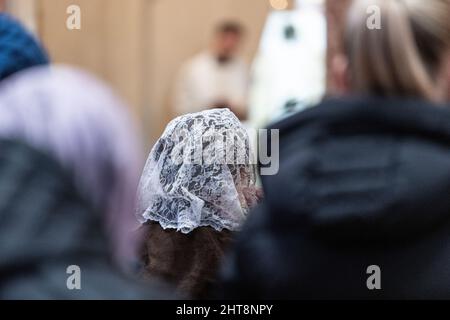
(363, 168)
(45, 227)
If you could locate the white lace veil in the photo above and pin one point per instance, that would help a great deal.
(198, 174)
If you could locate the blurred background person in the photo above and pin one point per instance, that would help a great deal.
(217, 77)
(141, 56)
(69, 168)
(195, 192)
(364, 212)
(19, 49)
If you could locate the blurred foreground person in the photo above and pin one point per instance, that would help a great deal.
(19, 50)
(215, 78)
(361, 206)
(195, 192)
(69, 164)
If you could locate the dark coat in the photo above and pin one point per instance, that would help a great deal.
(188, 261)
(362, 182)
(45, 227)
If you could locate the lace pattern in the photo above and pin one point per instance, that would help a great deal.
(199, 173)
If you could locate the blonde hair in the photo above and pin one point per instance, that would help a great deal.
(405, 56)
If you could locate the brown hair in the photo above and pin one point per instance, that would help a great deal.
(405, 56)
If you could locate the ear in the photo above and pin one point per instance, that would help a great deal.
(340, 75)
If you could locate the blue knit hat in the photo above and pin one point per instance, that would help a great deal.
(19, 50)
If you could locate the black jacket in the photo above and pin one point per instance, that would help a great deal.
(362, 182)
(45, 227)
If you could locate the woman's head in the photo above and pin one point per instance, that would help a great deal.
(81, 123)
(408, 55)
(199, 173)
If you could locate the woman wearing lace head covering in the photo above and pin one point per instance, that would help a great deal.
(196, 190)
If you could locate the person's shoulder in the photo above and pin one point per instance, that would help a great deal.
(239, 63)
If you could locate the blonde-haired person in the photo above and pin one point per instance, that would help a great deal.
(360, 207)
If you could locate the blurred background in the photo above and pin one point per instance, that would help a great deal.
(140, 46)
